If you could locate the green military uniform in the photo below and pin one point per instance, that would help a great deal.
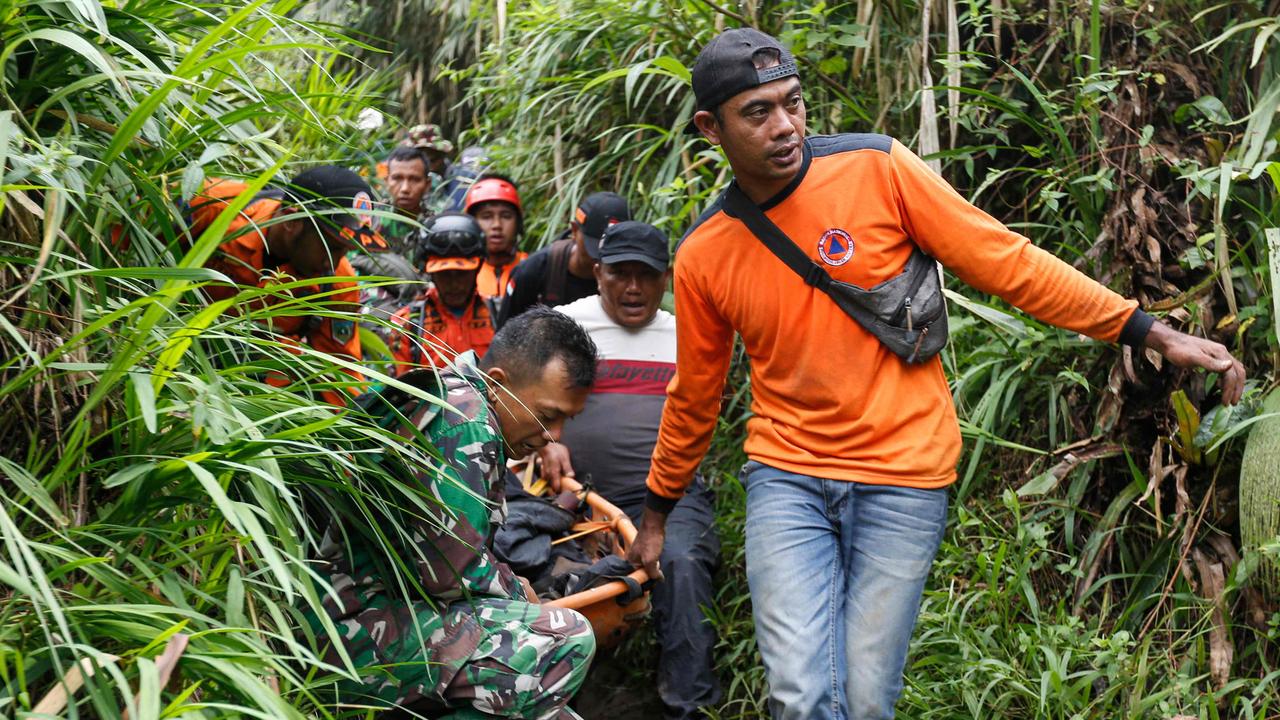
(399, 233)
(472, 644)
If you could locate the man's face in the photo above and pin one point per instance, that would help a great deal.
(436, 160)
(533, 413)
(499, 222)
(761, 130)
(630, 292)
(315, 254)
(407, 182)
(456, 287)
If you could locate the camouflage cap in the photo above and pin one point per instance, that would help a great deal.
(427, 137)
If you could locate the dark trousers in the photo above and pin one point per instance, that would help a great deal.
(686, 669)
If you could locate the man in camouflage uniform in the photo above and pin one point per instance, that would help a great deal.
(469, 637)
(449, 180)
(431, 141)
(436, 148)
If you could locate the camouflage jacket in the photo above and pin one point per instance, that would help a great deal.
(400, 235)
(452, 539)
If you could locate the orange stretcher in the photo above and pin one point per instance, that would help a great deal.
(616, 607)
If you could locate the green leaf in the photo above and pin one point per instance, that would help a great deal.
(123, 477)
(673, 66)
(199, 274)
(145, 395)
(1238, 428)
(1043, 483)
(235, 598)
(29, 486)
(1260, 42)
(13, 579)
(8, 132)
(1210, 107)
(854, 41)
(1147, 132)
(192, 179)
(69, 40)
(181, 340)
(148, 689)
(1273, 257)
(1257, 131)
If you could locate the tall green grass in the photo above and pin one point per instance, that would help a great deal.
(161, 503)
(155, 488)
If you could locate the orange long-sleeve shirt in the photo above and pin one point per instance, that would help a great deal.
(828, 399)
(246, 259)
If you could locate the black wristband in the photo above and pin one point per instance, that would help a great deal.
(657, 503)
(1134, 333)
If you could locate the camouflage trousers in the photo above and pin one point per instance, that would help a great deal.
(480, 658)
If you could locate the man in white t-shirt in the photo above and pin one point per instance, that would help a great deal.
(611, 441)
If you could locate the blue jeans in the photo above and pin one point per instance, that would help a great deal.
(836, 571)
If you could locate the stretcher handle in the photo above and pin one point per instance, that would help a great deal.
(602, 509)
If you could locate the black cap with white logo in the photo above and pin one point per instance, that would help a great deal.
(725, 67)
(635, 241)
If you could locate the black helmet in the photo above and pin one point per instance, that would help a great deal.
(451, 235)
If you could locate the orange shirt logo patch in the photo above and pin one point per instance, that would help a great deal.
(363, 205)
(835, 247)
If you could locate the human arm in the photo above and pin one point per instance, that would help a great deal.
(401, 338)
(704, 348)
(454, 557)
(647, 547)
(990, 257)
(994, 259)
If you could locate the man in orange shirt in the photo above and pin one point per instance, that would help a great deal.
(494, 202)
(297, 232)
(851, 448)
(451, 317)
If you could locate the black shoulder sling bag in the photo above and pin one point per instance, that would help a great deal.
(906, 313)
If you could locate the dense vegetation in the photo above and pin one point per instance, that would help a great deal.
(154, 488)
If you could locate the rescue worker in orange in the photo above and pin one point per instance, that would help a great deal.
(451, 317)
(852, 443)
(296, 232)
(494, 202)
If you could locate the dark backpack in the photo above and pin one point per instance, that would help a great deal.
(555, 282)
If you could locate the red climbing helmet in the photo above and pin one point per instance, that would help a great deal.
(492, 188)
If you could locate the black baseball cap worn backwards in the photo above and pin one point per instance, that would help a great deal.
(638, 241)
(724, 68)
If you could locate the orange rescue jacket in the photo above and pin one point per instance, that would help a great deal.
(493, 279)
(431, 335)
(246, 259)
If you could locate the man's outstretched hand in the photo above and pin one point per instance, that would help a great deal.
(647, 548)
(1188, 351)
